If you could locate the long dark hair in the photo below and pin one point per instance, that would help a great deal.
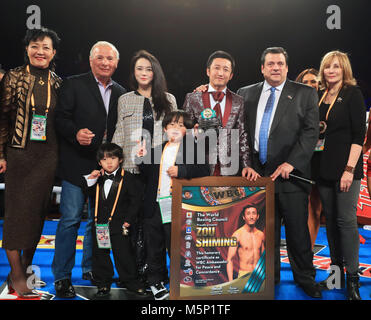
(40, 34)
(301, 75)
(159, 86)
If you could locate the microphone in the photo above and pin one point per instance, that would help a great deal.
(209, 120)
(302, 179)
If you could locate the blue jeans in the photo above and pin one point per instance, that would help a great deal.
(71, 206)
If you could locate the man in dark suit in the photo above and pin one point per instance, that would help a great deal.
(86, 116)
(282, 124)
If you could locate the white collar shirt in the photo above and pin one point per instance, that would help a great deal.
(213, 102)
(261, 107)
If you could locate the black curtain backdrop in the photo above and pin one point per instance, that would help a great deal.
(182, 34)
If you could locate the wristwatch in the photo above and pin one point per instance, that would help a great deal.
(349, 169)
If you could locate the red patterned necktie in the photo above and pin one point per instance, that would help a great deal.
(218, 97)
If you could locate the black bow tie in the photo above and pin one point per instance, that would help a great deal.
(108, 176)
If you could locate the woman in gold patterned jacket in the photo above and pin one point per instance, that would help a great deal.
(28, 154)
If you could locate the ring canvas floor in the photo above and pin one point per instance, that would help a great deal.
(286, 290)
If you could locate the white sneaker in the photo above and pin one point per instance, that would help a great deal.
(159, 291)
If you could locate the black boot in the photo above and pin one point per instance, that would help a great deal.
(329, 282)
(353, 286)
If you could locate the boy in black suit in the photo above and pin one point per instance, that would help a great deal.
(168, 161)
(117, 199)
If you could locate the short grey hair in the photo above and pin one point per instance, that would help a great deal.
(104, 43)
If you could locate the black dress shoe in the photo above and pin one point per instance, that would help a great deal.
(103, 292)
(89, 276)
(353, 286)
(138, 289)
(141, 292)
(64, 289)
(312, 290)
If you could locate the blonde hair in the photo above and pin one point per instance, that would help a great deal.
(348, 79)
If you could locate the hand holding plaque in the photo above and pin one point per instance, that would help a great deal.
(209, 120)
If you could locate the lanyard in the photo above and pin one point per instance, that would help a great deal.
(48, 99)
(331, 105)
(114, 205)
(160, 173)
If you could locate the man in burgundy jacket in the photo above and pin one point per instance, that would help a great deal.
(232, 141)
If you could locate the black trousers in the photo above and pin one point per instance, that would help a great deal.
(292, 208)
(136, 230)
(157, 237)
(124, 258)
(340, 209)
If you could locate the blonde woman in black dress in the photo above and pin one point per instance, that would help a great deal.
(343, 115)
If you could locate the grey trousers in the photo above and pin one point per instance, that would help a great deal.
(340, 209)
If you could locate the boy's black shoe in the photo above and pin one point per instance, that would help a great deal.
(136, 288)
(103, 292)
(312, 290)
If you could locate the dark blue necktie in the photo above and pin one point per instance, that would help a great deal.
(264, 127)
